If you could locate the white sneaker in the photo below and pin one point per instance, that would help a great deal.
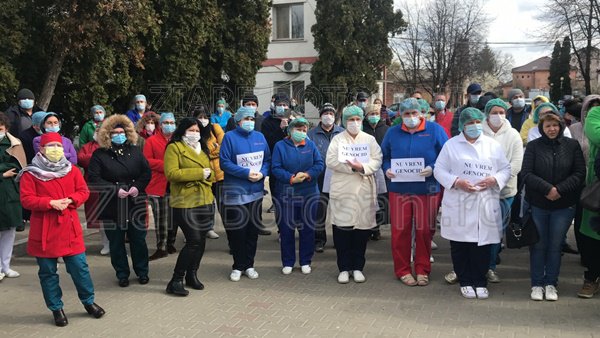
(482, 293)
(431, 259)
(344, 277)
(286, 270)
(358, 276)
(551, 293)
(451, 277)
(2, 276)
(251, 273)
(537, 293)
(212, 234)
(433, 246)
(468, 292)
(306, 269)
(105, 251)
(235, 276)
(11, 274)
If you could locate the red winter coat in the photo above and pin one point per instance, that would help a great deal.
(154, 152)
(84, 155)
(54, 233)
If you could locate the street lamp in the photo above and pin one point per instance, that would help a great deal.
(561, 86)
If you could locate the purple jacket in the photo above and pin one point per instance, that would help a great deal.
(70, 152)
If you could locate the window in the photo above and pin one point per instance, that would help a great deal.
(293, 89)
(288, 22)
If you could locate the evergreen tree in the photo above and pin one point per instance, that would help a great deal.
(352, 48)
(555, 73)
(12, 43)
(565, 66)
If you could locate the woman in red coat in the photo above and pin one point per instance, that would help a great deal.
(53, 191)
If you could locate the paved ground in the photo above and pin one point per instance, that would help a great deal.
(299, 305)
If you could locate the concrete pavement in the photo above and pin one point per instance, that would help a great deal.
(300, 305)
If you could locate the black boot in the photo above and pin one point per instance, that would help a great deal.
(175, 286)
(191, 280)
(60, 319)
(95, 310)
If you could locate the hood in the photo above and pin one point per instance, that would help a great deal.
(506, 126)
(561, 123)
(109, 124)
(585, 107)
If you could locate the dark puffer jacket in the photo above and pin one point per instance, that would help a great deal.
(551, 163)
(378, 132)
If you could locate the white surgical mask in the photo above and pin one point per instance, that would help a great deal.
(354, 127)
(327, 119)
(150, 127)
(473, 99)
(411, 122)
(191, 138)
(204, 122)
(2, 135)
(496, 120)
(518, 103)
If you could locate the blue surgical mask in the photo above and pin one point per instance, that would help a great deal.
(518, 103)
(98, 117)
(53, 129)
(140, 106)
(280, 110)
(252, 108)
(119, 139)
(298, 136)
(248, 125)
(473, 130)
(411, 122)
(374, 119)
(220, 110)
(440, 105)
(26, 103)
(362, 104)
(473, 99)
(168, 128)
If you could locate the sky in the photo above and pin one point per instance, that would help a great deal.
(513, 21)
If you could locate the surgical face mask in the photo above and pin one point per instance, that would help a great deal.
(411, 122)
(518, 103)
(118, 139)
(496, 120)
(374, 119)
(95, 137)
(252, 108)
(248, 125)
(150, 127)
(140, 106)
(298, 136)
(473, 130)
(53, 129)
(353, 127)
(440, 105)
(2, 135)
(26, 103)
(362, 104)
(327, 119)
(272, 105)
(220, 110)
(203, 122)
(280, 110)
(192, 138)
(473, 99)
(168, 129)
(54, 154)
(98, 117)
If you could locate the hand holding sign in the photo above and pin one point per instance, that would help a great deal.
(390, 174)
(487, 182)
(409, 170)
(254, 176)
(465, 185)
(356, 165)
(426, 172)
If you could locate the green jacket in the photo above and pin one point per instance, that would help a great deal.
(10, 203)
(592, 132)
(87, 133)
(184, 170)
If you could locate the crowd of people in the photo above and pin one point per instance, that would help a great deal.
(470, 172)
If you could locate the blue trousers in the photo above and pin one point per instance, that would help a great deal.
(77, 267)
(298, 212)
(505, 206)
(136, 233)
(544, 256)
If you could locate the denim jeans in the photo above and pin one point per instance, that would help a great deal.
(505, 206)
(544, 256)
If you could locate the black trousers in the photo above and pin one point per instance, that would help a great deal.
(166, 233)
(241, 224)
(471, 263)
(589, 249)
(350, 247)
(320, 226)
(195, 223)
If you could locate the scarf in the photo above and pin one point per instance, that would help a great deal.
(46, 170)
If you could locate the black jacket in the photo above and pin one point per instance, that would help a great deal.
(378, 132)
(26, 138)
(553, 163)
(107, 173)
(272, 131)
(19, 120)
(258, 119)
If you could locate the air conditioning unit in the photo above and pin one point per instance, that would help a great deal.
(291, 66)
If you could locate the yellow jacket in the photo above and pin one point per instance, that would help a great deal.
(184, 169)
(214, 147)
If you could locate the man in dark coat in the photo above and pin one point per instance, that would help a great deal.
(20, 114)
